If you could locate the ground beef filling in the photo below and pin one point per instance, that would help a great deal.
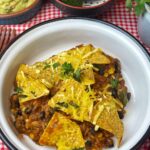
(31, 117)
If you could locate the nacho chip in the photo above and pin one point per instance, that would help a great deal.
(43, 72)
(63, 133)
(29, 88)
(105, 116)
(73, 100)
(87, 76)
(97, 57)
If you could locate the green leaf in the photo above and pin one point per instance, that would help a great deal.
(77, 75)
(139, 9)
(55, 65)
(73, 2)
(129, 4)
(114, 83)
(46, 66)
(19, 90)
(67, 68)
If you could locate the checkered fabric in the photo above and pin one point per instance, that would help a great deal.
(117, 15)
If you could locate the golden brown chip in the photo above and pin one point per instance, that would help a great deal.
(97, 57)
(105, 116)
(87, 76)
(63, 133)
(29, 88)
(73, 100)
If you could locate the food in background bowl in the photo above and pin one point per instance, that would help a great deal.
(78, 95)
(18, 11)
(12, 6)
(83, 7)
(83, 3)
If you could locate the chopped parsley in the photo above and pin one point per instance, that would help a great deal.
(67, 69)
(55, 65)
(77, 75)
(114, 83)
(46, 66)
(63, 104)
(19, 90)
(74, 104)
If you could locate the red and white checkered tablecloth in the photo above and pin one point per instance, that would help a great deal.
(118, 15)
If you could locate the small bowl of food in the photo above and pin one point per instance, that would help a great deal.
(83, 7)
(77, 84)
(18, 11)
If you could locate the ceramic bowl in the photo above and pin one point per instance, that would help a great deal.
(89, 8)
(21, 16)
(51, 37)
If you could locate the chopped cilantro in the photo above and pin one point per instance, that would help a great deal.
(46, 66)
(74, 104)
(114, 83)
(19, 90)
(67, 68)
(63, 104)
(55, 65)
(77, 75)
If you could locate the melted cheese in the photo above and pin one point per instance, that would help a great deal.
(73, 100)
(30, 88)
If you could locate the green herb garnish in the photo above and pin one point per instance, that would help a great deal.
(46, 66)
(114, 83)
(63, 104)
(74, 104)
(67, 68)
(55, 65)
(19, 90)
(73, 2)
(137, 5)
(77, 75)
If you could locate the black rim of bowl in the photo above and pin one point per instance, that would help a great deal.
(147, 134)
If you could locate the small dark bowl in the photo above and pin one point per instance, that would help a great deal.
(21, 16)
(89, 10)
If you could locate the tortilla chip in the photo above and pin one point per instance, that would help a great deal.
(97, 57)
(73, 100)
(63, 133)
(105, 116)
(87, 76)
(29, 88)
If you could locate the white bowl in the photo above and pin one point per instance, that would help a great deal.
(51, 37)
